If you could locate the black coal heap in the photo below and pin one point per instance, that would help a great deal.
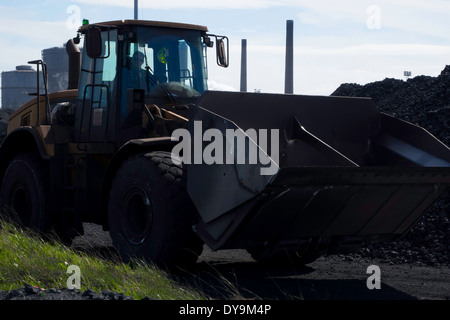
(425, 101)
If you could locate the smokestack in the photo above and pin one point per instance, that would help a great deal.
(74, 63)
(244, 66)
(136, 9)
(289, 73)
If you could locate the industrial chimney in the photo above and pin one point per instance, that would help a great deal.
(136, 9)
(289, 73)
(244, 66)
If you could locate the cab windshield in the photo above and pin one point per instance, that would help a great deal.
(167, 63)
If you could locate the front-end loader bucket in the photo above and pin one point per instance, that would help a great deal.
(333, 170)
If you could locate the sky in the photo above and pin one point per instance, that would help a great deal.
(335, 42)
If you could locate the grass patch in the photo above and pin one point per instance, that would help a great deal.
(26, 258)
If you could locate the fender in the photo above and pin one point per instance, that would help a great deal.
(20, 140)
(129, 149)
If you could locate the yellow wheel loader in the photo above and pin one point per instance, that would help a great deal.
(139, 145)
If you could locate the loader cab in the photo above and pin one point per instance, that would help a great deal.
(128, 64)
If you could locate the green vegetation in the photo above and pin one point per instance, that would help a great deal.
(27, 259)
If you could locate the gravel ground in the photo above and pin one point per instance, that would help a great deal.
(29, 292)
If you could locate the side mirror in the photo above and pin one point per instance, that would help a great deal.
(222, 52)
(93, 42)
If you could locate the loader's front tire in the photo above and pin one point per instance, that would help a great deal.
(24, 193)
(151, 214)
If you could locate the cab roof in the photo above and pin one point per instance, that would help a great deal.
(119, 23)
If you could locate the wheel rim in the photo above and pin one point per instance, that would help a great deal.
(137, 215)
(21, 204)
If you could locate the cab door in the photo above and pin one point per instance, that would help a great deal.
(95, 105)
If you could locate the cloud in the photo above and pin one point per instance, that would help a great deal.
(192, 4)
(46, 32)
(400, 50)
(428, 18)
(214, 85)
(320, 69)
(22, 39)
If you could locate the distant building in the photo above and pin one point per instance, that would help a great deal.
(57, 62)
(16, 85)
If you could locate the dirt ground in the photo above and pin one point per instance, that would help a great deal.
(329, 278)
(233, 274)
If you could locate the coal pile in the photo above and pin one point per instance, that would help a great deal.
(424, 101)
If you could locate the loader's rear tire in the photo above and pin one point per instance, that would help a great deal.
(24, 193)
(151, 214)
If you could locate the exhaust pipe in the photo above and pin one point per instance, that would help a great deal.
(74, 64)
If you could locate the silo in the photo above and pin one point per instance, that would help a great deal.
(57, 62)
(16, 85)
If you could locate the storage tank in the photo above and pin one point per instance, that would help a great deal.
(16, 85)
